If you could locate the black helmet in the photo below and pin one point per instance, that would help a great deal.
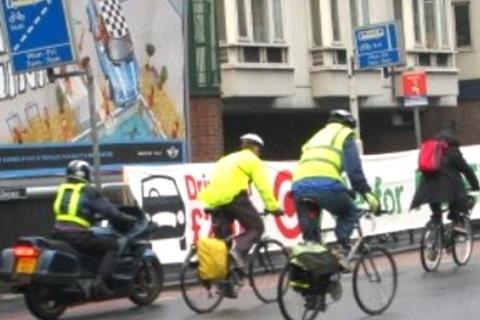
(344, 117)
(252, 138)
(79, 170)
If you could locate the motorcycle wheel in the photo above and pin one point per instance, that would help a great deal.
(41, 305)
(147, 283)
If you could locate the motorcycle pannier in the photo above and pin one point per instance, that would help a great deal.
(212, 259)
(311, 267)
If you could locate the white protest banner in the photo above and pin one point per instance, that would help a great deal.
(170, 195)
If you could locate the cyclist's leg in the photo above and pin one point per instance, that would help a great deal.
(308, 220)
(455, 209)
(436, 209)
(222, 224)
(245, 213)
(342, 206)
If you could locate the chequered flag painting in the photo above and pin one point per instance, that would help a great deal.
(114, 19)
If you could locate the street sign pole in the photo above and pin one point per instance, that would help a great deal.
(91, 104)
(352, 91)
(418, 126)
(93, 125)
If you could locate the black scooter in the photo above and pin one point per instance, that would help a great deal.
(52, 275)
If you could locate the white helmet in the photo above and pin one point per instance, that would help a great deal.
(252, 138)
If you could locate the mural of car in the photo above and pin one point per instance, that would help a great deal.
(115, 55)
(161, 199)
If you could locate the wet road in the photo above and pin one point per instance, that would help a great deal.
(449, 293)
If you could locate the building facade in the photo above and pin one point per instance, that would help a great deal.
(285, 64)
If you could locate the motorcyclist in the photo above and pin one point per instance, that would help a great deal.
(77, 207)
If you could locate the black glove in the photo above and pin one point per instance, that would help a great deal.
(127, 218)
(277, 213)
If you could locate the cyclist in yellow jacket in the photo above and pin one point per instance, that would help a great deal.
(318, 175)
(227, 192)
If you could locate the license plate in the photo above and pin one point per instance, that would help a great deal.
(26, 265)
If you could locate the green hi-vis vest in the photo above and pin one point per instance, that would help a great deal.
(322, 154)
(67, 202)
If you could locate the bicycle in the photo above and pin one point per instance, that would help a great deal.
(373, 264)
(267, 258)
(437, 236)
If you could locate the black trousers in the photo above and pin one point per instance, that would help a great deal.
(104, 247)
(242, 210)
(454, 208)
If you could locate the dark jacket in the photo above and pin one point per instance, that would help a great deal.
(446, 185)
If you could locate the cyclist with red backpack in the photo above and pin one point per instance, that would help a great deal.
(442, 166)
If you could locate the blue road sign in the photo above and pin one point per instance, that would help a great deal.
(37, 33)
(379, 45)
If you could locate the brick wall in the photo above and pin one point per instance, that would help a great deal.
(206, 128)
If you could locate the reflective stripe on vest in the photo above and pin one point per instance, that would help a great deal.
(68, 212)
(322, 154)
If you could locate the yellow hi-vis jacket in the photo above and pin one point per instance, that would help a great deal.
(322, 155)
(232, 175)
(66, 205)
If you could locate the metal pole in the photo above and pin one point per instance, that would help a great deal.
(93, 125)
(352, 91)
(418, 126)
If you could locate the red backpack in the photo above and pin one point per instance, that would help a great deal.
(430, 157)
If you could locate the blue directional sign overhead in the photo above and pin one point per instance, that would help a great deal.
(38, 34)
(379, 45)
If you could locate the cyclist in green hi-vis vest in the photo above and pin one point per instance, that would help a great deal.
(318, 175)
(77, 206)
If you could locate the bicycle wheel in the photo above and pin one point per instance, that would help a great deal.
(293, 304)
(267, 261)
(375, 280)
(201, 296)
(462, 243)
(431, 246)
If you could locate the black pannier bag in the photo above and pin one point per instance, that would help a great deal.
(311, 268)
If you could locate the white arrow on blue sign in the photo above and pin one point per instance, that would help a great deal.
(38, 34)
(379, 45)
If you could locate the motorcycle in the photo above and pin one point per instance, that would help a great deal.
(52, 275)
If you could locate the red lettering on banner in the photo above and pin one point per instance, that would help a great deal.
(196, 227)
(191, 187)
(287, 205)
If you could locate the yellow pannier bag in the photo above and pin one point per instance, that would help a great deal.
(212, 259)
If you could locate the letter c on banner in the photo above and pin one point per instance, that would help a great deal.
(287, 205)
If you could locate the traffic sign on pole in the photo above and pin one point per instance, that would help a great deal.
(414, 88)
(37, 33)
(379, 45)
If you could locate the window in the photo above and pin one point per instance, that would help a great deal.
(444, 22)
(335, 21)
(204, 69)
(316, 23)
(398, 10)
(366, 12)
(462, 24)
(424, 60)
(430, 23)
(220, 16)
(354, 13)
(242, 19)
(260, 20)
(416, 21)
(277, 20)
